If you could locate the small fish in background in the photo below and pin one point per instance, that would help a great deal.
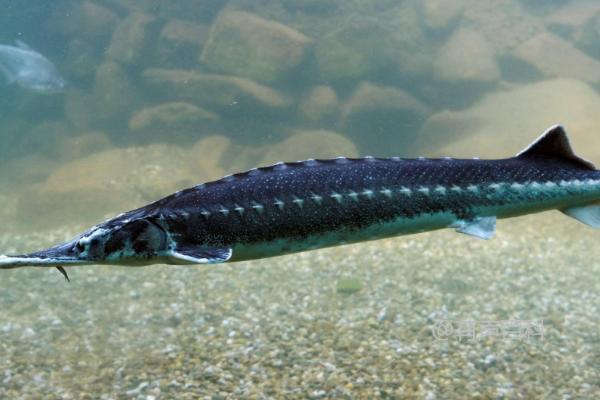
(29, 69)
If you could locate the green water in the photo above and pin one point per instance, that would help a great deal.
(166, 95)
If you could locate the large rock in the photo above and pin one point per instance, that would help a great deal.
(85, 20)
(192, 10)
(213, 90)
(500, 124)
(180, 42)
(588, 37)
(168, 119)
(371, 44)
(305, 144)
(132, 38)
(89, 189)
(114, 95)
(411, 50)
(83, 145)
(355, 50)
(555, 57)
(572, 16)
(80, 109)
(504, 23)
(383, 120)
(320, 105)
(247, 45)
(46, 138)
(82, 60)
(466, 56)
(441, 14)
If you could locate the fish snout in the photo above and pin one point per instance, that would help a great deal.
(64, 254)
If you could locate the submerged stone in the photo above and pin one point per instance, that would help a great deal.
(320, 104)
(441, 14)
(85, 20)
(466, 56)
(131, 38)
(247, 45)
(349, 286)
(353, 51)
(305, 144)
(113, 93)
(383, 120)
(508, 119)
(213, 90)
(555, 57)
(180, 42)
(170, 118)
(108, 182)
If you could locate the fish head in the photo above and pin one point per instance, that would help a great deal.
(129, 242)
(125, 241)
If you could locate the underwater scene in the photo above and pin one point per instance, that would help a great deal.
(108, 105)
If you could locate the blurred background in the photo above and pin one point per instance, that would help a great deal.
(162, 95)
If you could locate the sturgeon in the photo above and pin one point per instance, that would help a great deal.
(292, 207)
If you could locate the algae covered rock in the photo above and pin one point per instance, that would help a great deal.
(588, 37)
(348, 286)
(383, 120)
(85, 20)
(247, 45)
(82, 59)
(503, 123)
(179, 42)
(169, 118)
(320, 104)
(441, 14)
(466, 56)
(563, 60)
(80, 108)
(505, 24)
(131, 38)
(84, 144)
(305, 144)
(114, 95)
(116, 180)
(207, 155)
(213, 90)
(44, 138)
(360, 47)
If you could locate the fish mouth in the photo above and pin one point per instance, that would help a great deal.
(56, 256)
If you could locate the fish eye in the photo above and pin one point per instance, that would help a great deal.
(79, 247)
(94, 242)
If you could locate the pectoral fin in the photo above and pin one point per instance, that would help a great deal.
(479, 227)
(588, 214)
(191, 254)
(22, 45)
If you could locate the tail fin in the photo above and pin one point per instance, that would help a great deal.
(555, 143)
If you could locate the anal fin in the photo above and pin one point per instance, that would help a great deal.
(479, 227)
(588, 214)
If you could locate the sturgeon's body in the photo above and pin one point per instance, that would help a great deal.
(291, 207)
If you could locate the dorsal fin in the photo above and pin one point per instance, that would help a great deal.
(554, 142)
